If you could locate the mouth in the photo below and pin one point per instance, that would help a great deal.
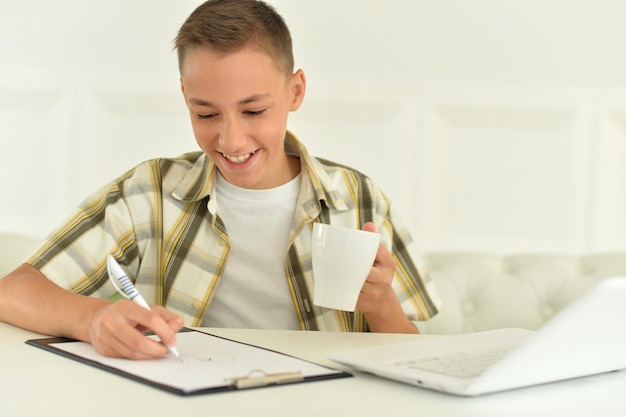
(238, 159)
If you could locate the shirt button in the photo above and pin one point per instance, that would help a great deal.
(197, 304)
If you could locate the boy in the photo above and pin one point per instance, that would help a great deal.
(220, 237)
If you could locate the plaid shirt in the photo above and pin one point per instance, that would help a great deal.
(160, 221)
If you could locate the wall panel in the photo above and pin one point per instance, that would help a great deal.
(36, 129)
(121, 129)
(608, 177)
(503, 177)
(493, 125)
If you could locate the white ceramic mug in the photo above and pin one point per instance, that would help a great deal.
(342, 259)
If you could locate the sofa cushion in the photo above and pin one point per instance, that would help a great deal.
(482, 291)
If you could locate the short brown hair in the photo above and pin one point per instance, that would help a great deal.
(229, 25)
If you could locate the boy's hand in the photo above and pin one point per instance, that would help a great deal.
(378, 300)
(118, 329)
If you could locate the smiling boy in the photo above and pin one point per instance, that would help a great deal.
(220, 237)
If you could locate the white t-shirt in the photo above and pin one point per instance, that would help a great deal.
(253, 291)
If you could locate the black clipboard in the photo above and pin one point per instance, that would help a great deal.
(290, 370)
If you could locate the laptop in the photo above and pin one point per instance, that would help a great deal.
(587, 337)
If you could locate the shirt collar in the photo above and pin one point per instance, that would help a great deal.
(199, 181)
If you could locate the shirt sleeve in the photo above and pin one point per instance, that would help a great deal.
(74, 255)
(417, 293)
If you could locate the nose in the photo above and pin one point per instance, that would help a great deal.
(232, 136)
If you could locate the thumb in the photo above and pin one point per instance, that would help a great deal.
(369, 227)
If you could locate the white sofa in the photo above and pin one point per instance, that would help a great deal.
(482, 291)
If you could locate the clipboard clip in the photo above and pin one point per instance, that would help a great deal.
(259, 378)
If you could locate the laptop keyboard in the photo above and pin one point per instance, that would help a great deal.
(459, 364)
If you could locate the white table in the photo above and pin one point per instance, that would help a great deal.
(34, 382)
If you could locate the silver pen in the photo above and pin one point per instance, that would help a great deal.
(123, 284)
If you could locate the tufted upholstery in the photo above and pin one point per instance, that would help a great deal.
(485, 291)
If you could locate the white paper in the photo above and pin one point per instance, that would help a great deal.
(208, 362)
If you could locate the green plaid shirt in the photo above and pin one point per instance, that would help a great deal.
(160, 221)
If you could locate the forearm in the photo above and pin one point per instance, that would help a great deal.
(393, 320)
(31, 301)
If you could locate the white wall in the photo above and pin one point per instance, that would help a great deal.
(493, 124)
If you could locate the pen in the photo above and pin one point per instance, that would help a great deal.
(124, 285)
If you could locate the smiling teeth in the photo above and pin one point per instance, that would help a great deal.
(239, 158)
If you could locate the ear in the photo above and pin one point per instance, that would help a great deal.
(182, 89)
(298, 88)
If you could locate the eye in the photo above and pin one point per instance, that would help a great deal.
(254, 113)
(205, 116)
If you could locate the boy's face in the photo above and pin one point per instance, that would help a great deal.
(239, 103)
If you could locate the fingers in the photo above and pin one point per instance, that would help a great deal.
(377, 290)
(383, 259)
(384, 264)
(369, 227)
(173, 321)
(118, 330)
